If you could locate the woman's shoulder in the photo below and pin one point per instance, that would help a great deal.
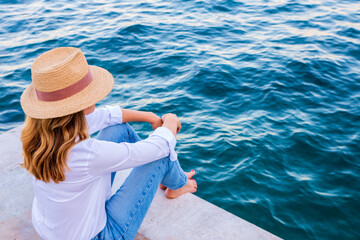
(82, 146)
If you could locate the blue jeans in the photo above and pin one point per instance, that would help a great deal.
(127, 208)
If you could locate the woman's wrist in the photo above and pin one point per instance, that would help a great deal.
(155, 121)
(152, 117)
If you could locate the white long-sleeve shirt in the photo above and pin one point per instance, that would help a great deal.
(75, 208)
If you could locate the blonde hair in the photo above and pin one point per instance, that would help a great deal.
(47, 142)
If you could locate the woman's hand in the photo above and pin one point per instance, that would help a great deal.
(172, 122)
(156, 122)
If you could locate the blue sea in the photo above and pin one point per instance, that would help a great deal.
(268, 92)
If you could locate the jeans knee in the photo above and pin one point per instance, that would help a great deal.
(116, 128)
(114, 133)
(120, 127)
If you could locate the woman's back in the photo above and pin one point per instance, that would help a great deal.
(76, 203)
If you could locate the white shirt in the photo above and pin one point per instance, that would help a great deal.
(75, 208)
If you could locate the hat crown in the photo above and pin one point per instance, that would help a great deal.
(58, 68)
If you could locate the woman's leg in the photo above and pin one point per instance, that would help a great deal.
(127, 208)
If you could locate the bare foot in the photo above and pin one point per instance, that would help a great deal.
(190, 186)
(188, 174)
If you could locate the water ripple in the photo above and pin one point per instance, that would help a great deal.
(267, 91)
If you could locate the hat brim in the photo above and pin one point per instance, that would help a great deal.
(98, 89)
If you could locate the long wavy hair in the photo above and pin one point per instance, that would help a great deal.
(47, 143)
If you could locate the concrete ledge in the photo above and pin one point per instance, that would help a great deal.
(187, 217)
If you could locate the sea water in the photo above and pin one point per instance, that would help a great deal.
(268, 93)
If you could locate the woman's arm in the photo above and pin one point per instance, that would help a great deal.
(140, 116)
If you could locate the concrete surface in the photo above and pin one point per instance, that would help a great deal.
(187, 217)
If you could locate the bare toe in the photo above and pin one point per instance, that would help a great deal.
(193, 185)
(190, 174)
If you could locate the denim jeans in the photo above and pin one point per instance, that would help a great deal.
(127, 208)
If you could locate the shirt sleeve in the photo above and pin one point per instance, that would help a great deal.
(103, 117)
(106, 157)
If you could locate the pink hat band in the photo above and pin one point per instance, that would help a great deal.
(66, 92)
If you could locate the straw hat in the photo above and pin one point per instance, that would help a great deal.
(63, 83)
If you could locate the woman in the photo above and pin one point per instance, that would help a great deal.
(73, 173)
